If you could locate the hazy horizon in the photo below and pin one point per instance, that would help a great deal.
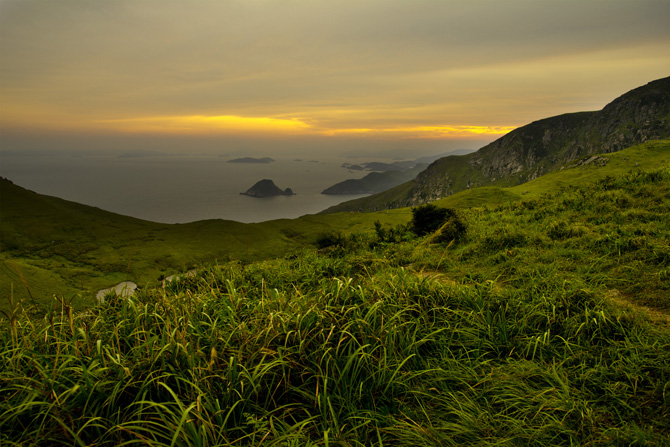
(379, 76)
(182, 188)
(372, 80)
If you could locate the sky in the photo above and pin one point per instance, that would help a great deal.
(351, 77)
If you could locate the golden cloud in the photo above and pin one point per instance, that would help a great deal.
(427, 131)
(202, 124)
(234, 124)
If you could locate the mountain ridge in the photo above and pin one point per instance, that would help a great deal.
(535, 149)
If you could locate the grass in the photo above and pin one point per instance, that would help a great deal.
(509, 336)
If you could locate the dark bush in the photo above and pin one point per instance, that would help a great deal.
(453, 230)
(325, 240)
(428, 218)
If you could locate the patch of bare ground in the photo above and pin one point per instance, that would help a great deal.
(657, 316)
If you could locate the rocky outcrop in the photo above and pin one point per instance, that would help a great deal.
(267, 188)
(535, 149)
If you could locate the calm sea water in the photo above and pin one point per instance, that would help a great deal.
(178, 189)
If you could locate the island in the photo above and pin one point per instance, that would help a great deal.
(251, 160)
(375, 182)
(267, 188)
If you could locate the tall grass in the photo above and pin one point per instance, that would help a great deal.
(506, 337)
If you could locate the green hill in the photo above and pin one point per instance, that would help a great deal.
(51, 246)
(546, 323)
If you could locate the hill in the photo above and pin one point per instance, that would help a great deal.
(375, 181)
(546, 323)
(251, 160)
(535, 149)
(53, 247)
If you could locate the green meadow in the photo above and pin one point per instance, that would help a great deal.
(534, 315)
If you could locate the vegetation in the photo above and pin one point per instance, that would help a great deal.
(428, 218)
(50, 246)
(528, 330)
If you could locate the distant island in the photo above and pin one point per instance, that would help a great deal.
(375, 182)
(267, 188)
(251, 160)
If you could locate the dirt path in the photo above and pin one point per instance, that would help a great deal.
(657, 316)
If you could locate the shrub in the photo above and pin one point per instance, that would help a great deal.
(428, 218)
(325, 240)
(453, 230)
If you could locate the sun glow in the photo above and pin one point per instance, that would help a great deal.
(427, 131)
(213, 124)
(455, 131)
(235, 124)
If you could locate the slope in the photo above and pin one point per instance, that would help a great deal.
(513, 335)
(53, 247)
(535, 149)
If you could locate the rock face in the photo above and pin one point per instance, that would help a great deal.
(537, 148)
(267, 188)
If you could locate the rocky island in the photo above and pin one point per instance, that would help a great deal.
(267, 188)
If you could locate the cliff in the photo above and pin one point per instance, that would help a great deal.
(535, 149)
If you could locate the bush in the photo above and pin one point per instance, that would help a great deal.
(325, 240)
(453, 230)
(428, 218)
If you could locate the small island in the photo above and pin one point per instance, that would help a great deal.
(267, 188)
(251, 160)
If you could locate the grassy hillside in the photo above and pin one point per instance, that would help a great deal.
(51, 246)
(582, 172)
(648, 155)
(546, 323)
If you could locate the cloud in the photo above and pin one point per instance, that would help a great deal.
(321, 66)
(198, 124)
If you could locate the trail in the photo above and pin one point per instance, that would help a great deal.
(657, 316)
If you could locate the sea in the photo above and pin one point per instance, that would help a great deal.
(181, 189)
